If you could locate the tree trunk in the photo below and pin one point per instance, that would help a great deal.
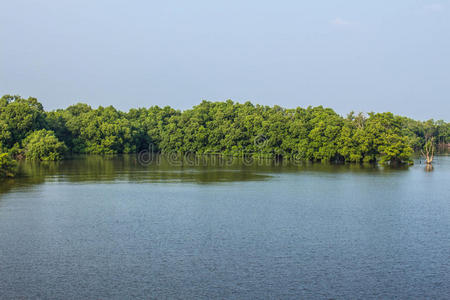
(428, 151)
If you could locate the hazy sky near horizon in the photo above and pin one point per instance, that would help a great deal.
(347, 55)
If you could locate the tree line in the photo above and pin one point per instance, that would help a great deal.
(228, 128)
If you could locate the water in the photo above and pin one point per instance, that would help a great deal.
(99, 228)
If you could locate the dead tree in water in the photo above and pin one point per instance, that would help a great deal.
(428, 151)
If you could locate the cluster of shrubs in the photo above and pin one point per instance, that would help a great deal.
(229, 128)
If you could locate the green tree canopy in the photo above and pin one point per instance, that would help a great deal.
(313, 133)
(7, 166)
(43, 145)
(19, 117)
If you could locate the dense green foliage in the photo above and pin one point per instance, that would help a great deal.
(19, 117)
(7, 165)
(43, 145)
(313, 133)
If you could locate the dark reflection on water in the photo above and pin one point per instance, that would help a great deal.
(206, 169)
(99, 228)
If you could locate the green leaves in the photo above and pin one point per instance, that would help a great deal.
(7, 166)
(376, 138)
(43, 145)
(313, 133)
(18, 117)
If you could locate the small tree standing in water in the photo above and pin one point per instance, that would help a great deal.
(428, 151)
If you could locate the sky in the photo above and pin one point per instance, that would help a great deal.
(348, 55)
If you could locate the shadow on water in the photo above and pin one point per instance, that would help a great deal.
(161, 169)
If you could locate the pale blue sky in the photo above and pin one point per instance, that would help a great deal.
(347, 55)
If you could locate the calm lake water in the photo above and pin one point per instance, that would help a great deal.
(100, 228)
